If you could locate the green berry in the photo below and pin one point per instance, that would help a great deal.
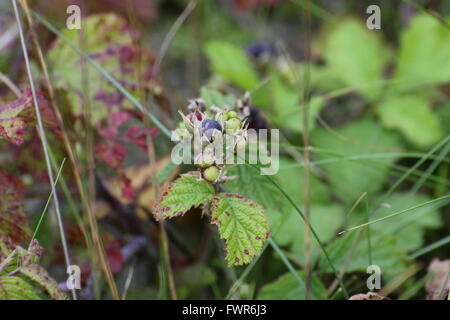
(232, 114)
(233, 124)
(211, 173)
(204, 165)
(222, 116)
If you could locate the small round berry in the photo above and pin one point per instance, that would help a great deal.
(232, 114)
(211, 124)
(233, 124)
(211, 173)
(221, 117)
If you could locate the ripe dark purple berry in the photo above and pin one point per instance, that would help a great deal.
(211, 124)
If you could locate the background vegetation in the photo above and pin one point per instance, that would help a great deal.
(375, 143)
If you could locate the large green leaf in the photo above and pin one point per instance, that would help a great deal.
(356, 55)
(17, 288)
(253, 185)
(232, 63)
(350, 179)
(282, 102)
(413, 116)
(350, 252)
(424, 51)
(409, 228)
(291, 178)
(289, 109)
(286, 288)
(110, 41)
(39, 275)
(29, 278)
(182, 195)
(242, 224)
(325, 219)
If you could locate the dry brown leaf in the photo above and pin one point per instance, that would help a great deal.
(439, 271)
(368, 296)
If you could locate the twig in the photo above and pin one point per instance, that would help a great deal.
(44, 141)
(306, 153)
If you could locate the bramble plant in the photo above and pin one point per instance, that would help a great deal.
(21, 275)
(241, 221)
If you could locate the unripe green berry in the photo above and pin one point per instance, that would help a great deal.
(233, 124)
(222, 117)
(211, 173)
(232, 114)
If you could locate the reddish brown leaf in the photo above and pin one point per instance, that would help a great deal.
(138, 135)
(127, 188)
(17, 114)
(13, 221)
(115, 257)
(111, 153)
(115, 120)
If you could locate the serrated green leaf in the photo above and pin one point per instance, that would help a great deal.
(242, 224)
(182, 195)
(13, 221)
(251, 184)
(412, 115)
(17, 288)
(350, 179)
(10, 262)
(40, 276)
(356, 55)
(286, 288)
(216, 98)
(31, 275)
(232, 63)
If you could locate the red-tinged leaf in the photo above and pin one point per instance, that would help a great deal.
(17, 114)
(6, 246)
(138, 135)
(115, 120)
(39, 275)
(127, 188)
(242, 224)
(13, 221)
(111, 153)
(115, 257)
(110, 41)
